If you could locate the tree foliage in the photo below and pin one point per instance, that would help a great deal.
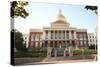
(18, 41)
(17, 9)
(93, 8)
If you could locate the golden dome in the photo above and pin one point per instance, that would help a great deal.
(60, 19)
(60, 16)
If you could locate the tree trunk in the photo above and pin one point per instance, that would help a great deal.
(12, 41)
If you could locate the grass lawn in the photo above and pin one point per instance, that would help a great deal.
(44, 53)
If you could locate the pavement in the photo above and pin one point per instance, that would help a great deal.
(51, 60)
(59, 62)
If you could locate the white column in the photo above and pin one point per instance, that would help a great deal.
(54, 34)
(65, 34)
(55, 53)
(74, 35)
(57, 34)
(70, 50)
(49, 49)
(61, 34)
(40, 44)
(64, 53)
(44, 35)
(70, 35)
(49, 34)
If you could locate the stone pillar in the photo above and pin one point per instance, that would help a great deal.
(70, 51)
(53, 34)
(74, 34)
(70, 35)
(61, 34)
(57, 34)
(55, 53)
(44, 35)
(49, 34)
(64, 53)
(76, 44)
(62, 44)
(48, 45)
(65, 34)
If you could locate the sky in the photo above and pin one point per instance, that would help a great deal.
(42, 14)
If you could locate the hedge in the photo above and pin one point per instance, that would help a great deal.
(30, 54)
(84, 52)
(44, 53)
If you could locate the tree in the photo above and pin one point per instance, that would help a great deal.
(17, 9)
(93, 8)
(19, 41)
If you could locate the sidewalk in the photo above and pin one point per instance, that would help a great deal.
(58, 62)
(53, 60)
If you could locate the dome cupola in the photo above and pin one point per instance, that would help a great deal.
(60, 16)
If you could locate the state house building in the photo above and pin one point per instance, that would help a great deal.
(58, 35)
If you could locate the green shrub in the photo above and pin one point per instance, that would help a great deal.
(44, 53)
(90, 52)
(84, 52)
(77, 52)
(31, 54)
